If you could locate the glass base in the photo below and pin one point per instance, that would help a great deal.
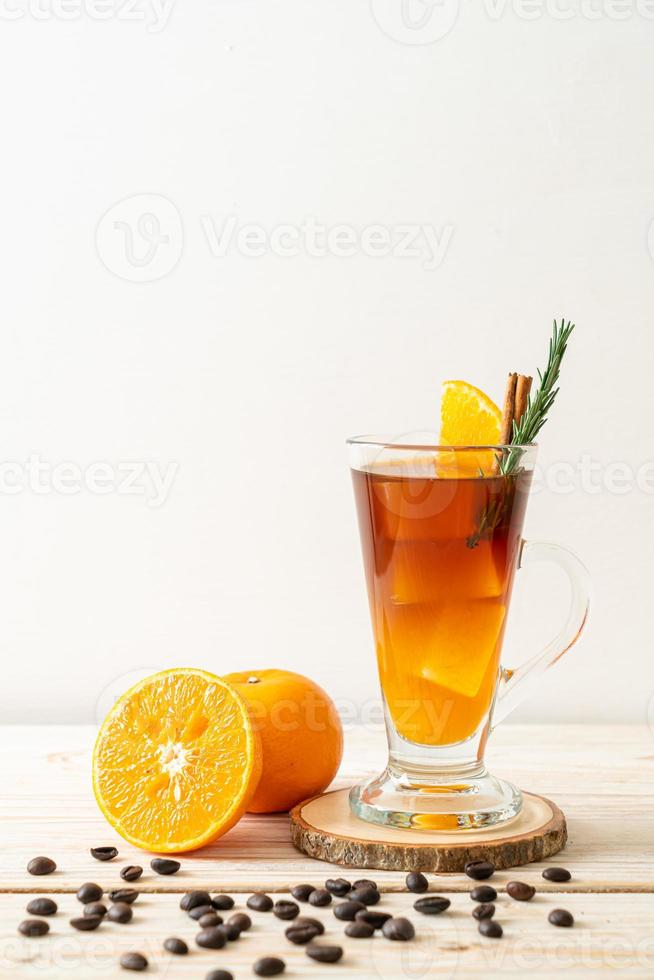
(465, 800)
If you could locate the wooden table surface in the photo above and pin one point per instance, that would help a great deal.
(601, 776)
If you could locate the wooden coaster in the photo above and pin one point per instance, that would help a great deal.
(325, 828)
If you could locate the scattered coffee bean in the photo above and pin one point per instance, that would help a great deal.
(133, 961)
(432, 904)
(128, 895)
(165, 866)
(416, 882)
(269, 966)
(213, 938)
(301, 935)
(520, 891)
(89, 892)
(359, 929)
(284, 909)
(199, 910)
(338, 886)
(346, 911)
(222, 902)
(219, 975)
(305, 920)
(231, 930)
(483, 893)
(374, 919)
(320, 897)
(191, 899)
(131, 873)
(364, 883)
(176, 946)
(104, 853)
(241, 920)
(556, 874)
(34, 927)
(479, 870)
(41, 906)
(260, 902)
(367, 895)
(120, 912)
(302, 892)
(324, 954)
(208, 920)
(561, 917)
(399, 930)
(490, 928)
(41, 866)
(95, 908)
(484, 911)
(86, 923)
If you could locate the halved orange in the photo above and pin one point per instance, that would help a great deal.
(468, 418)
(177, 761)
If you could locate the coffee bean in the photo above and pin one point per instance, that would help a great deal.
(241, 920)
(479, 870)
(41, 906)
(41, 866)
(483, 893)
(347, 910)
(561, 917)
(86, 923)
(400, 930)
(556, 874)
(324, 954)
(359, 929)
(364, 883)
(165, 866)
(213, 938)
(305, 920)
(302, 892)
(132, 872)
(300, 935)
(320, 897)
(219, 975)
(374, 919)
(520, 891)
(484, 911)
(231, 930)
(208, 920)
(199, 910)
(367, 895)
(222, 902)
(104, 853)
(133, 961)
(176, 946)
(191, 899)
(490, 928)
(338, 886)
(260, 902)
(120, 912)
(34, 927)
(269, 966)
(95, 908)
(128, 895)
(286, 910)
(432, 904)
(89, 892)
(416, 882)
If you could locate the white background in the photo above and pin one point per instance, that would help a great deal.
(530, 139)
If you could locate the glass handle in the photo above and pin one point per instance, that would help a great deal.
(514, 684)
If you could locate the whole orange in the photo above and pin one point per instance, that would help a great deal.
(301, 736)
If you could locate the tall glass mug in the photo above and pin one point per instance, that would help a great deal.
(441, 533)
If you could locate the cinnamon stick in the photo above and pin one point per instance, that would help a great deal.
(523, 387)
(508, 412)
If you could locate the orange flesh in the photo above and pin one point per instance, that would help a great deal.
(176, 761)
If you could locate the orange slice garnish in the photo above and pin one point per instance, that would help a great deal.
(177, 761)
(468, 418)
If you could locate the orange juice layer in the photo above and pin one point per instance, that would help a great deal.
(438, 596)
